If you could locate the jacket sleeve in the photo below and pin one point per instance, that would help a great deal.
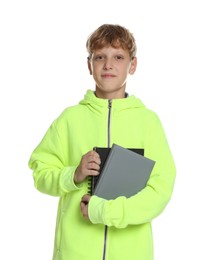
(51, 173)
(151, 201)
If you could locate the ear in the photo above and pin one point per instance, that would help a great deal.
(89, 65)
(133, 66)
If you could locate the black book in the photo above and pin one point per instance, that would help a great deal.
(123, 172)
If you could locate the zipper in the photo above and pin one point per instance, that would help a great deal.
(108, 145)
(109, 123)
(105, 242)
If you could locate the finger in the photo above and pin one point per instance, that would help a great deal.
(92, 172)
(86, 197)
(85, 171)
(82, 205)
(92, 156)
(93, 166)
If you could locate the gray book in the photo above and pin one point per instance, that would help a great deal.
(125, 173)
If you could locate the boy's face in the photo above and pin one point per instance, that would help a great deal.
(110, 68)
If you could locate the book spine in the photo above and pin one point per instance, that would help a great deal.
(91, 181)
(90, 185)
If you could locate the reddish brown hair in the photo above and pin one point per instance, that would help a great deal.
(111, 35)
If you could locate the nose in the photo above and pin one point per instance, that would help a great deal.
(108, 64)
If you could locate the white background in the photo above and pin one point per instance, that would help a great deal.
(43, 70)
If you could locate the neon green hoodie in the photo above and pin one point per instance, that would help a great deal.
(119, 229)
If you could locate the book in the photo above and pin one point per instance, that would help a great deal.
(103, 153)
(123, 172)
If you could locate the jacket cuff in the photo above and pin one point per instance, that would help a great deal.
(96, 210)
(66, 180)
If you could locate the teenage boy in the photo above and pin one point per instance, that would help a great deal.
(89, 227)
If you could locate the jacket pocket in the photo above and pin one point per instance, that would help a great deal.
(59, 226)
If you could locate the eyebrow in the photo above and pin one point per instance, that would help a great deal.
(120, 51)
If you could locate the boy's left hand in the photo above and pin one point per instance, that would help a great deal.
(84, 205)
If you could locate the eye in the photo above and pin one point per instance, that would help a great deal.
(99, 57)
(119, 57)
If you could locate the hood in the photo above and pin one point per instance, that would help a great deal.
(117, 104)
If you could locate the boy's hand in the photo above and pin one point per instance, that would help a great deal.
(89, 165)
(84, 205)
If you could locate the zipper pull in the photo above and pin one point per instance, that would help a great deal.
(109, 103)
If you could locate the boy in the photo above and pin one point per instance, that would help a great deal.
(89, 227)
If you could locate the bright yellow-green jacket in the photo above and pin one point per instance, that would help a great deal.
(93, 122)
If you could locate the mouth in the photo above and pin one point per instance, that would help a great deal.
(107, 75)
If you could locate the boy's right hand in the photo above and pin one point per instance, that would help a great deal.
(89, 165)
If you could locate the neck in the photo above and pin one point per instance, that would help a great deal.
(110, 95)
